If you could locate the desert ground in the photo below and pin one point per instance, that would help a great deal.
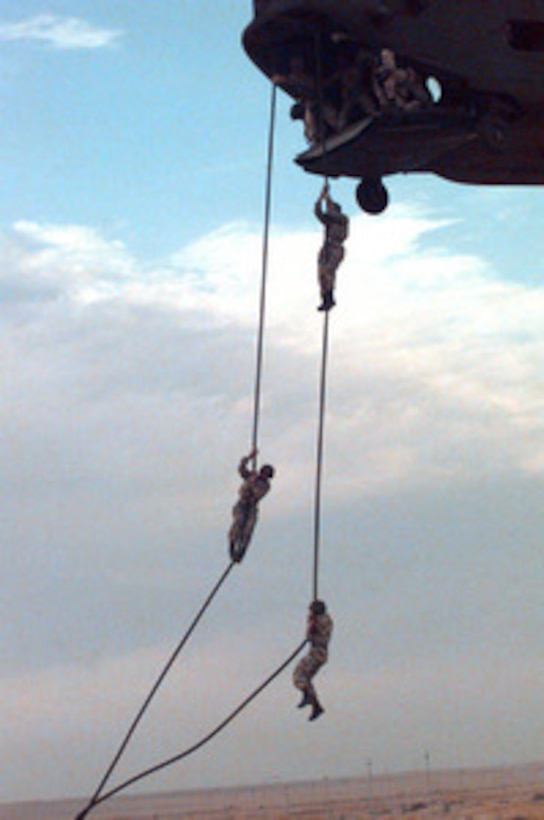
(510, 793)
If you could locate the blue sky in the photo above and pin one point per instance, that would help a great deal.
(133, 149)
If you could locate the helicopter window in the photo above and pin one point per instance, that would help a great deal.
(434, 87)
(526, 35)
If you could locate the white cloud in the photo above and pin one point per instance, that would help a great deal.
(127, 399)
(73, 259)
(435, 364)
(60, 32)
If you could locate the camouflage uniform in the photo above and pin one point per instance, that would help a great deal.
(254, 487)
(396, 87)
(318, 631)
(410, 92)
(385, 79)
(332, 253)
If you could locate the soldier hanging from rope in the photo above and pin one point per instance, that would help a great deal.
(255, 486)
(332, 251)
(318, 632)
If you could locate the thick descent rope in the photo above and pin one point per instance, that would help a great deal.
(95, 799)
(319, 460)
(170, 761)
(324, 351)
(320, 97)
(99, 796)
(264, 275)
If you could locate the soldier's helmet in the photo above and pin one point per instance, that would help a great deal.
(318, 607)
(267, 471)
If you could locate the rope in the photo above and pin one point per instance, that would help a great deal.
(200, 743)
(95, 799)
(319, 460)
(98, 796)
(325, 347)
(264, 274)
(320, 97)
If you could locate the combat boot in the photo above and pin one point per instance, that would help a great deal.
(317, 710)
(328, 301)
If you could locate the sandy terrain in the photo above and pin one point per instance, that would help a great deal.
(514, 793)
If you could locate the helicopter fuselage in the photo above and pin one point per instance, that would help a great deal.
(482, 62)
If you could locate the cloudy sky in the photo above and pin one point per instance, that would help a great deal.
(133, 147)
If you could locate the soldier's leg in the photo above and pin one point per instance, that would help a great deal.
(326, 286)
(321, 272)
(335, 256)
(236, 531)
(315, 662)
(242, 530)
(302, 679)
(250, 519)
(303, 676)
(317, 709)
(327, 277)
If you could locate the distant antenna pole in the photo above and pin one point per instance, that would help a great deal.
(427, 756)
(369, 783)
